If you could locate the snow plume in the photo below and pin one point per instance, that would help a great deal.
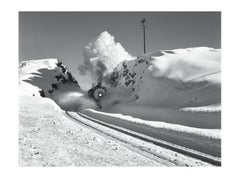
(190, 64)
(101, 56)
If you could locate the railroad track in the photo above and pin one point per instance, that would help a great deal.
(158, 142)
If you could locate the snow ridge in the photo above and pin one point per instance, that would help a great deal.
(45, 74)
(211, 133)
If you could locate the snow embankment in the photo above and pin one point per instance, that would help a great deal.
(182, 78)
(50, 78)
(28, 70)
(210, 133)
(190, 64)
(208, 109)
(49, 75)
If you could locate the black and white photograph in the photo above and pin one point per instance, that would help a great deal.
(119, 89)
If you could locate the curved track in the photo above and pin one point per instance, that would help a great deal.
(156, 141)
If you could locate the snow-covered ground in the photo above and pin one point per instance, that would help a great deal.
(48, 138)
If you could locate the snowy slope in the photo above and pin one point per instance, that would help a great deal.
(50, 78)
(190, 64)
(174, 78)
(183, 78)
(124, 83)
(48, 75)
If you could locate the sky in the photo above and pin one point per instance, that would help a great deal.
(63, 35)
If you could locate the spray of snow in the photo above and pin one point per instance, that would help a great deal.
(190, 64)
(101, 56)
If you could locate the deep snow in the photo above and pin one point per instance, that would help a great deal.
(183, 78)
(56, 81)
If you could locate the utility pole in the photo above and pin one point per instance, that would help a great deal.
(144, 35)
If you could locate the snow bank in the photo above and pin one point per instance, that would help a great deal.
(47, 74)
(102, 55)
(54, 81)
(211, 133)
(210, 108)
(191, 64)
(182, 78)
(28, 70)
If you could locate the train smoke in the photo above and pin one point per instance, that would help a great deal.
(101, 56)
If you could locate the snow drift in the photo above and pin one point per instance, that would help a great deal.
(183, 78)
(50, 78)
(191, 64)
(49, 75)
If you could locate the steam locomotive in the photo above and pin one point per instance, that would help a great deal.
(97, 92)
